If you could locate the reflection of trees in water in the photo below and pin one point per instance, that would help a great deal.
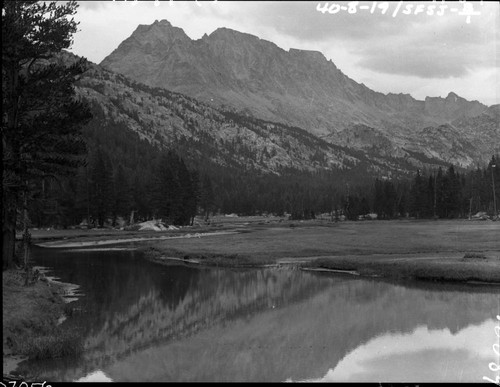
(305, 338)
(331, 314)
(112, 281)
(178, 306)
(218, 297)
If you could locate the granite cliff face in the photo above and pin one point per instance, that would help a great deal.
(199, 132)
(239, 71)
(126, 110)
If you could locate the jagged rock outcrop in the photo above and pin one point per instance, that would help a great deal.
(206, 134)
(297, 87)
(202, 133)
(244, 71)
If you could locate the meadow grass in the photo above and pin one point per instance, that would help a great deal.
(30, 315)
(415, 249)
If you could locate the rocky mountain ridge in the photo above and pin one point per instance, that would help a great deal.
(204, 134)
(239, 71)
(173, 121)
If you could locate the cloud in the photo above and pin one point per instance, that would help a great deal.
(92, 5)
(425, 59)
(437, 48)
(425, 46)
(302, 21)
(424, 66)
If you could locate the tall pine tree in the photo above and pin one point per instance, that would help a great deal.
(41, 119)
(101, 187)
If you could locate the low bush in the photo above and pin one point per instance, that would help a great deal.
(474, 256)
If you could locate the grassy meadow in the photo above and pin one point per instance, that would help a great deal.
(456, 250)
(443, 250)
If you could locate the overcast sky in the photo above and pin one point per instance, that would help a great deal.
(422, 54)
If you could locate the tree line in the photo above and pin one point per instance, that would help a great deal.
(106, 190)
(129, 178)
(440, 193)
(451, 194)
(176, 191)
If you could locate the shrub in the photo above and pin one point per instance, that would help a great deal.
(474, 256)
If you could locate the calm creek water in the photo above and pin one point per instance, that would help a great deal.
(147, 322)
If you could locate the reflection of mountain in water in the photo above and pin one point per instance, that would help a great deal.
(180, 324)
(304, 339)
(132, 304)
(218, 296)
(441, 357)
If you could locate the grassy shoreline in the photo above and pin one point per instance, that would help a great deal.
(443, 251)
(441, 269)
(417, 249)
(30, 321)
(438, 268)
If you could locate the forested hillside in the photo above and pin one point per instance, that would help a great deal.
(152, 153)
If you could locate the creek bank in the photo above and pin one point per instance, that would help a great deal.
(440, 268)
(31, 319)
(91, 242)
(168, 257)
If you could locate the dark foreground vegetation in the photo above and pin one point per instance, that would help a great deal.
(30, 315)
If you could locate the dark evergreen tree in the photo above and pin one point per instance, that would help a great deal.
(451, 193)
(390, 200)
(165, 188)
(101, 187)
(185, 209)
(207, 200)
(418, 196)
(193, 196)
(121, 195)
(493, 173)
(430, 205)
(439, 193)
(41, 117)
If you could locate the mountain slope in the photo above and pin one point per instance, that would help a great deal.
(297, 87)
(207, 135)
(200, 132)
